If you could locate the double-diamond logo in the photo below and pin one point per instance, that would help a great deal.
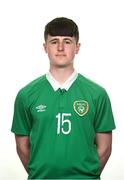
(41, 108)
(81, 107)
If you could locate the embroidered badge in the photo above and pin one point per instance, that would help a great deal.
(81, 107)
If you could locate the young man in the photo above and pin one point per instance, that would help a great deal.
(62, 121)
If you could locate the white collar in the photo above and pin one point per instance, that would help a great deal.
(66, 85)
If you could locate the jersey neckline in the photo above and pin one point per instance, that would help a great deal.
(66, 85)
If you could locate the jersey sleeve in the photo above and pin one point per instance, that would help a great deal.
(104, 120)
(21, 124)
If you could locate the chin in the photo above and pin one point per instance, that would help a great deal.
(62, 65)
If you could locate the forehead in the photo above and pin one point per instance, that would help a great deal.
(49, 38)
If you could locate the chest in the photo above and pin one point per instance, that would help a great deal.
(62, 112)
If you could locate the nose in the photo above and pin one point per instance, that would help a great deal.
(60, 46)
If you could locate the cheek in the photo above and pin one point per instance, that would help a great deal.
(51, 54)
(51, 50)
(73, 52)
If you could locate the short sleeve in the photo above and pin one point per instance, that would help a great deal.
(21, 124)
(104, 120)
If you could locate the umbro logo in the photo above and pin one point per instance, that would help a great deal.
(41, 108)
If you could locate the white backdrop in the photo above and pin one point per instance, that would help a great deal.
(22, 59)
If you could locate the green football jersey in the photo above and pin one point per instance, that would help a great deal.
(61, 125)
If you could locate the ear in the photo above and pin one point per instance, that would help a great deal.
(45, 47)
(77, 48)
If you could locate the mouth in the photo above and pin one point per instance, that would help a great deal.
(60, 55)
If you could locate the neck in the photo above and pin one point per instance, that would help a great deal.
(61, 74)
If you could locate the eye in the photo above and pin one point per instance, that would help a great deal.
(67, 42)
(54, 42)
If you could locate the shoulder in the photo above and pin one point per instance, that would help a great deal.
(32, 86)
(91, 87)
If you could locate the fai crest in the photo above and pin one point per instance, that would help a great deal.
(81, 107)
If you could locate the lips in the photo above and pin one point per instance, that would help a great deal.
(60, 55)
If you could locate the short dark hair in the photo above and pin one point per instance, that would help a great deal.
(61, 26)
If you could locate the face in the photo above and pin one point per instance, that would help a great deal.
(61, 50)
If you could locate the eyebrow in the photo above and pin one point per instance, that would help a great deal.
(68, 39)
(56, 39)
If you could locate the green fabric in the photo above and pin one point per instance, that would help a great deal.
(61, 126)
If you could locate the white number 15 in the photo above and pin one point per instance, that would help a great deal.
(62, 119)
